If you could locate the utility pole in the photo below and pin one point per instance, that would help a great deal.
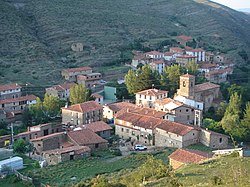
(12, 134)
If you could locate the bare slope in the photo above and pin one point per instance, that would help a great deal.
(36, 34)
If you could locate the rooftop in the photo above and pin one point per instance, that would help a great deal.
(158, 62)
(121, 105)
(19, 99)
(62, 87)
(169, 103)
(85, 137)
(78, 69)
(49, 136)
(153, 53)
(98, 126)
(84, 107)
(6, 87)
(205, 86)
(189, 156)
(152, 92)
(77, 149)
(184, 37)
(188, 76)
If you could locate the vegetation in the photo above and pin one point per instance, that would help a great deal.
(21, 146)
(13, 181)
(79, 94)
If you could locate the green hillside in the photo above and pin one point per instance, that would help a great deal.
(36, 35)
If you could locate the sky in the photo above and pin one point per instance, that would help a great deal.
(235, 4)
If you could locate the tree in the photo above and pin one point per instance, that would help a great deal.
(246, 121)
(171, 77)
(231, 120)
(51, 106)
(79, 94)
(20, 146)
(192, 68)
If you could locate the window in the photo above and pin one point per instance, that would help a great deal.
(180, 110)
(191, 84)
(184, 84)
(96, 145)
(127, 130)
(198, 106)
(122, 129)
(145, 96)
(39, 144)
(186, 110)
(188, 117)
(150, 97)
(220, 140)
(193, 134)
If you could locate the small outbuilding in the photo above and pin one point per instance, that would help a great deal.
(14, 163)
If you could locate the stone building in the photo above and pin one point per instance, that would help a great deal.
(77, 47)
(101, 128)
(187, 156)
(72, 73)
(184, 60)
(89, 80)
(83, 113)
(208, 93)
(61, 91)
(10, 91)
(57, 156)
(147, 98)
(183, 39)
(86, 137)
(158, 66)
(183, 113)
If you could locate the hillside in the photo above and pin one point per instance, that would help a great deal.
(36, 35)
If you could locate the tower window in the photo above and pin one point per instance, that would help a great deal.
(184, 84)
(191, 84)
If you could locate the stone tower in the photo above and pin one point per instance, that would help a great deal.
(187, 83)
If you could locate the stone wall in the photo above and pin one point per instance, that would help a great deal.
(175, 164)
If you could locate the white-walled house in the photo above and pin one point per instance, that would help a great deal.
(158, 66)
(10, 91)
(199, 53)
(154, 55)
(147, 98)
(190, 102)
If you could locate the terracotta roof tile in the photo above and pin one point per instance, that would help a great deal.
(184, 37)
(62, 87)
(77, 69)
(158, 62)
(96, 95)
(169, 54)
(207, 66)
(98, 126)
(48, 136)
(152, 92)
(19, 99)
(188, 76)
(76, 149)
(205, 86)
(5, 87)
(189, 156)
(121, 105)
(176, 50)
(85, 137)
(84, 107)
(154, 53)
(169, 101)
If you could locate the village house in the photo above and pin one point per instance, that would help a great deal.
(3, 116)
(98, 98)
(207, 67)
(101, 128)
(190, 102)
(61, 91)
(10, 91)
(182, 113)
(158, 66)
(184, 60)
(57, 156)
(187, 156)
(219, 76)
(199, 53)
(147, 98)
(89, 80)
(154, 55)
(86, 137)
(71, 74)
(208, 93)
(17, 105)
(110, 110)
(182, 39)
(209, 57)
(140, 58)
(177, 51)
(77, 47)
(80, 114)
(169, 56)
(149, 130)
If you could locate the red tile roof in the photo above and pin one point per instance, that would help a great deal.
(152, 92)
(220, 71)
(77, 69)
(184, 37)
(62, 87)
(76, 149)
(189, 156)
(154, 53)
(121, 105)
(49, 136)
(188, 76)
(19, 99)
(6, 87)
(98, 126)
(84, 107)
(169, 54)
(205, 86)
(167, 101)
(85, 137)
(150, 122)
(207, 66)
(176, 49)
(158, 62)
(96, 95)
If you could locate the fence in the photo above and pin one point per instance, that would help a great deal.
(23, 177)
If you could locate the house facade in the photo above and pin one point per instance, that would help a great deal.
(89, 80)
(185, 59)
(208, 93)
(147, 98)
(83, 113)
(183, 39)
(219, 76)
(154, 55)
(158, 66)
(199, 53)
(10, 91)
(71, 74)
(101, 128)
(61, 91)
